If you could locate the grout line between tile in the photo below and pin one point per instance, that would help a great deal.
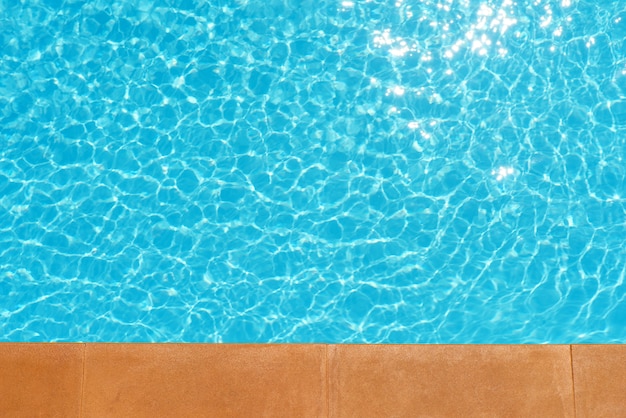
(571, 364)
(82, 383)
(327, 381)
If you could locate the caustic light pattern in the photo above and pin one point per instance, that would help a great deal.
(313, 171)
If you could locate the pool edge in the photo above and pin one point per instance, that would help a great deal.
(117, 379)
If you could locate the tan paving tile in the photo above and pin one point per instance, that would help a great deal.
(450, 381)
(149, 380)
(599, 380)
(40, 380)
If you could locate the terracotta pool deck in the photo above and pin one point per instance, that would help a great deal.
(316, 380)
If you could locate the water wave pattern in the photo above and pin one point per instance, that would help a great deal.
(313, 171)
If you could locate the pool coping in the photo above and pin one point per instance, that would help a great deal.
(311, 380)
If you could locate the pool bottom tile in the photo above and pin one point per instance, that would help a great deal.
(148, 380)
(41, 380)
(450, 381)
(599, 380)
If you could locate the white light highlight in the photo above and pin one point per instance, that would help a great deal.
(503, 172)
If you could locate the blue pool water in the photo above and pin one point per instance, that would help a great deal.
(313, 171)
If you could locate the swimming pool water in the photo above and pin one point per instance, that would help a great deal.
(313, 171)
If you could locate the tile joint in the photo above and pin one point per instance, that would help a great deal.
(328, 397)
(571, 364)
(82, 383)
